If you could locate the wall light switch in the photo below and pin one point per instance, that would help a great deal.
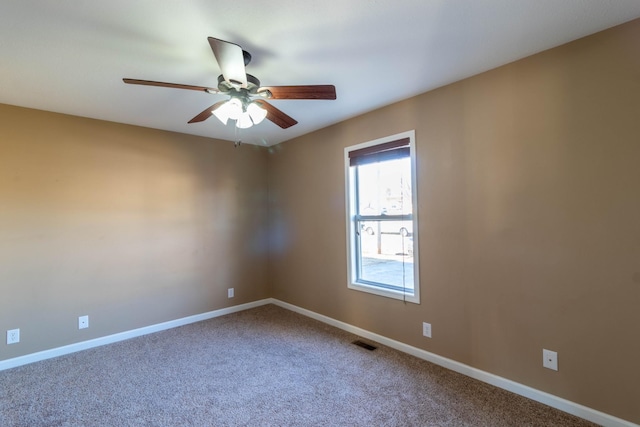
(426, 329)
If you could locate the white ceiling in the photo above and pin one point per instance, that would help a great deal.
(69, 56)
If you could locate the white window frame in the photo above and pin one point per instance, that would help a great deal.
(351, 210)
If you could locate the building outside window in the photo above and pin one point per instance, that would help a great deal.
(381, 217)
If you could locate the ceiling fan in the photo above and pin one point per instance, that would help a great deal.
(247, 103)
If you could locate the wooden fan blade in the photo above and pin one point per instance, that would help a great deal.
(276, 116)
(206, 113)
(171, 85)
(231, 61)
(301, 92)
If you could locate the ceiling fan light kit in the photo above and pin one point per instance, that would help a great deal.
(242, 88)
(240, 108)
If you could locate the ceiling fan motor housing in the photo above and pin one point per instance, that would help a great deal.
(253, 84)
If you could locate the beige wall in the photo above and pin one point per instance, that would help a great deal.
(131, 226)
(529, 210)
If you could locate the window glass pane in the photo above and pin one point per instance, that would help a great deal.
(386, 254)
(384, 188)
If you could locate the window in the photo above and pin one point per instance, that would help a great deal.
(381, 217)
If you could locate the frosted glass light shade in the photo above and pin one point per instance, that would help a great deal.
(232, 109)
(244, 121)
(221, 114)
(235, 108)
(256, 112)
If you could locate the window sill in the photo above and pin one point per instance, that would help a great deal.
(388, 293)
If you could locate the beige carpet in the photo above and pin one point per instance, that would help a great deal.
(262, 367)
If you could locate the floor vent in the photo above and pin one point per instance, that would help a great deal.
(364, 345)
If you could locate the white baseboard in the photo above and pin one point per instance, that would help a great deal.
(512, 386)
(540, 396)
(109, 339)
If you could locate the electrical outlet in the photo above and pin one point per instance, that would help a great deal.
(230, 293)
(13, 336)
(83, 322)
(550, 359)
(426, 329)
